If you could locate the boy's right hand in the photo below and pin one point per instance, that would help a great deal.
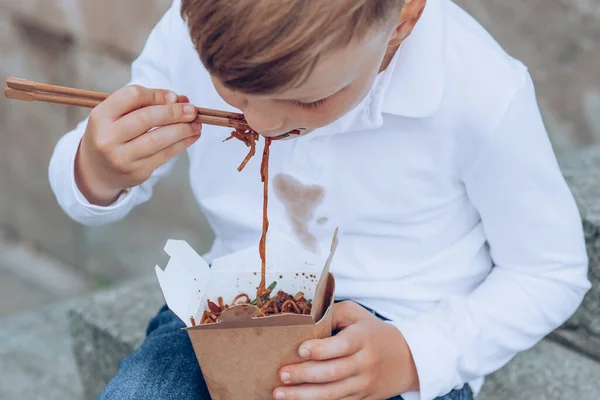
(118, 151)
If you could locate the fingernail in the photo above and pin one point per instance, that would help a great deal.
(286, 377)
(188, 109)
(279, 395)
(304, 352)
(171, 97)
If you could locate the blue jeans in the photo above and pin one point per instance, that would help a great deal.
(165, 367)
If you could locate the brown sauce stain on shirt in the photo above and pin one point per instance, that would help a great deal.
(322, 220)
(300, 202)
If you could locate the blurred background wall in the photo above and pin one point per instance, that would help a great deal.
(90, 43)
(87, 44)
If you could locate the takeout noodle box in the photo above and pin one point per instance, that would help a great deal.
(241, 355)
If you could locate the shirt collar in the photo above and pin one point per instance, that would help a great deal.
(413, 83)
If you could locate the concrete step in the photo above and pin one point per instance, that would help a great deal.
(549, 371)
(36, 358)
(30, 279)
(108, 326)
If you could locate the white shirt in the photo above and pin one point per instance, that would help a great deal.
(455, 221)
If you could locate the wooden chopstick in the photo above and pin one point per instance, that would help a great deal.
(16, 94)
(26, 90)
(31, 86)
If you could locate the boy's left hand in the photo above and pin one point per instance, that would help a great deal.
(368, 359)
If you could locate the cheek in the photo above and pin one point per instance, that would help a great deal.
(318, 118)
(334, 109)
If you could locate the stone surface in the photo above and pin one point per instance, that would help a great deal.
(107, 327)
(559, 40)
(36, 360)
(582, 171)
(43, 41)
(120, 25)
(40, 270)
(583, 174)
(28, 133)
(18, 295)
(548, 371)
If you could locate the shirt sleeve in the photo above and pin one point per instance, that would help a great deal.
(149, 70)
(536, 242)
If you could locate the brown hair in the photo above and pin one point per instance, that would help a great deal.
(260, 46)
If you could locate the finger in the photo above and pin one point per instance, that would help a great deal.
(141, 121)
(183, 99)
(133, 97)
(327, 391)
(159, 139)
(347, 313)
(319, 371)
(345, 343)
(163, 156)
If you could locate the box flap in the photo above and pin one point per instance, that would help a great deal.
(184, 281)
(320, 302)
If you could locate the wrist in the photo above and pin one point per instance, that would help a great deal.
(90, 187)
(404, 370)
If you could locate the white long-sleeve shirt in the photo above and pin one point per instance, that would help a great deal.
(455, 221)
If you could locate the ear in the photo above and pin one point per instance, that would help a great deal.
(407, 19)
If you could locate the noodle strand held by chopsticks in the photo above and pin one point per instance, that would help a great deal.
(283, 302)
(262, 247)
(249, 137)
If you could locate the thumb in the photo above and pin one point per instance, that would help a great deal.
(347, 313)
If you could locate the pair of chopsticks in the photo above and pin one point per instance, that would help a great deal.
(23, 89)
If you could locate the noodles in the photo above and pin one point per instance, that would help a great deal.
(290, 306)
(239, 296)
(262, 247)
(249, 137)
(270, 307)
(282, 303)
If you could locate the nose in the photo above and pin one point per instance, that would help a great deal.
(261, 121)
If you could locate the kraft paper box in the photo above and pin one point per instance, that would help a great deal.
(241, 355)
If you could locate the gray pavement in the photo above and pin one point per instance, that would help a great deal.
(30, 279)
(36, 359)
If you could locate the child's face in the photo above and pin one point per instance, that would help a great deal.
(339, 82)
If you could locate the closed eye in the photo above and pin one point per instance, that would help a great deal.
(312, 105)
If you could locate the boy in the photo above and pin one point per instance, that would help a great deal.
(422, 141)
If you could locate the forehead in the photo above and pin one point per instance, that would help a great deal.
(340, 67)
